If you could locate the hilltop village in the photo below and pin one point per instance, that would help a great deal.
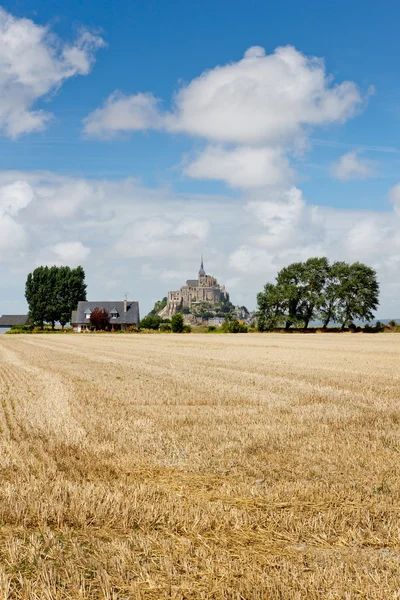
(202, 301)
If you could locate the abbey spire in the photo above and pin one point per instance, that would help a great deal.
(202, 271)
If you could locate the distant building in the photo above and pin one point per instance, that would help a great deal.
(10, 320)
(203, 289)
(215, 321)
(122, 314)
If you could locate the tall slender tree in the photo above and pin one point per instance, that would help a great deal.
(53, 293)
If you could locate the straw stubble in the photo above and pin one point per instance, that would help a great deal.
(200, 466)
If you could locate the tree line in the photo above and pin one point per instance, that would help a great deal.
(317, 290)
(53, 293)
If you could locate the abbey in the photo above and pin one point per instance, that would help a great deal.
(196, 291)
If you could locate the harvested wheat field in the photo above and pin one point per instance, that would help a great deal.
(200, 466)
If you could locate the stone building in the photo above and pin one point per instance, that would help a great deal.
(196, 291)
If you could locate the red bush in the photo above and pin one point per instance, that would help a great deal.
(100, 319)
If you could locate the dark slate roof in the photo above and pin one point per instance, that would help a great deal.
(10, 320)
(192, 283)
(131, 317)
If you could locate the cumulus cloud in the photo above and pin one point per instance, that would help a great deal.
(242, 167)
(351, 166)
(366, 238)
(286, 220)
(160, 237)
(252, 113)
(71, 252)
(394, 198)
(152, 239)
(122, 113)
(34, 63)
(261, 99)
(14, 197)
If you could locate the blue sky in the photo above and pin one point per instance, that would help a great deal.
(157, 140)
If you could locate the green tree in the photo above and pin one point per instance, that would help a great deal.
(53, 293)
(315, 273)
(328, 310)
(358, 293)
(37, 293)
(270, 304)
(151, 322)
(290, 284)
(177, 323)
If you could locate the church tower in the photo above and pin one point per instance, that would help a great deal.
(201, 271)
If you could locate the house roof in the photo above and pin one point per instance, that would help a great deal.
(10, 320)
(130, 317)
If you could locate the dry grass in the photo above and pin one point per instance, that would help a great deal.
(200, 467)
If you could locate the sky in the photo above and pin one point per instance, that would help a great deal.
(136, 136)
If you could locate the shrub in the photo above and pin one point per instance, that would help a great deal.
(177, 323)
(165, 327)
(22, 328)
(100, 319)
(131, 329)
(234, 327)
(211, 328)
(187, 329)
(151, 322)
(392, 323)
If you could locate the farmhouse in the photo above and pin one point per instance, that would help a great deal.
(123, 313)
(10, 320)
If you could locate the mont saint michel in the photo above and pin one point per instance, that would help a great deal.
(204, 291)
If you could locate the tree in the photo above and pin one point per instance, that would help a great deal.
(177, 323)
(74, 290)
(358, 293)
(53, 293)
(100, 319)
(270, 312)
(315, 289)
(329, 308)
(314, 276)
(290, 285)
(151, 322)
(37, 294)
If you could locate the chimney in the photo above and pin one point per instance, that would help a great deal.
(125, 303)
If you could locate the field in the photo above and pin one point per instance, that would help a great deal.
(200, 467)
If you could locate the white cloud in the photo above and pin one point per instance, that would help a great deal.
(152, 239)
(160, 237)
(350, 166)
(286, 220)
(261, 99)
(252, 113)
(14, 197)
(394, 198)
(34, 63)
(122, 113)
(70, 252)
(242, 167)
